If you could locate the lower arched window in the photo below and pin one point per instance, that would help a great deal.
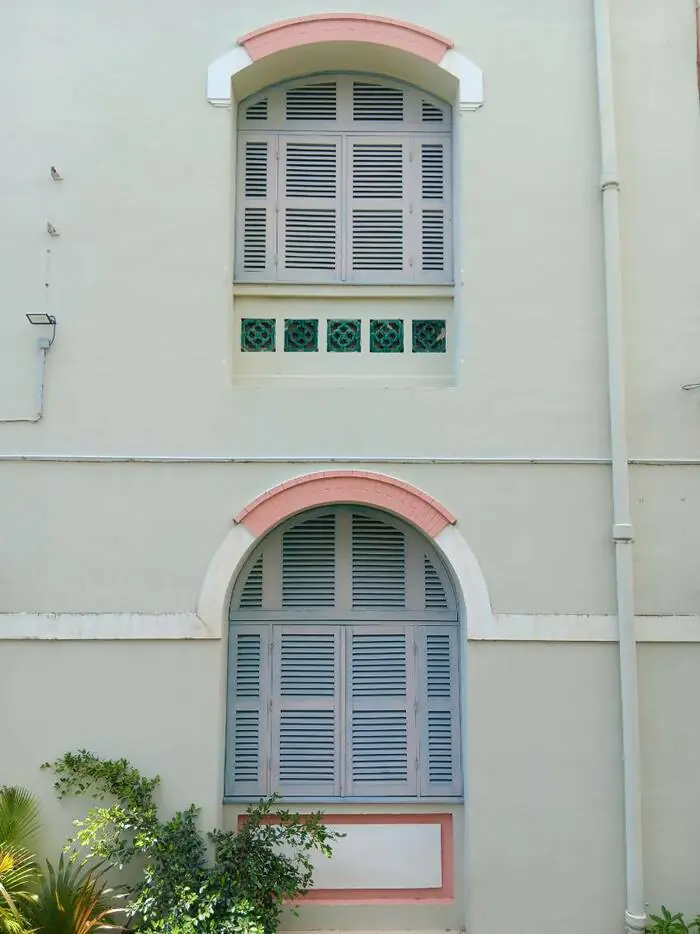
(343, 676)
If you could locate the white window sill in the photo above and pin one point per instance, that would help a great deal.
(344, 290)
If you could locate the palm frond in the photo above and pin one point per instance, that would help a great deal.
(18, 871)
(19, 816)
(71, 899)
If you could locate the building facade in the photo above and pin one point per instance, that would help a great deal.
(347, 452)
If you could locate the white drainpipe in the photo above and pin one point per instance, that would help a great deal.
(635, 912)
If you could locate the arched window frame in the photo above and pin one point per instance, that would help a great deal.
(346, 197)
(359, 645)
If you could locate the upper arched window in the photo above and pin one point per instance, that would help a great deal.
(344, 178)
(343, 664)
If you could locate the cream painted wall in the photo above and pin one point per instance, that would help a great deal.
(139, 538)
(544, 773)
(158, 704)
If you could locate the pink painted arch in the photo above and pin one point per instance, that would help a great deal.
(345, 486)
(345, 27)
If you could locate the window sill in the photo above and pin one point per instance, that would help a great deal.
(444, 801)
(344, 290)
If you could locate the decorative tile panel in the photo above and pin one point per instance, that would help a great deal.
(386, 335)
(429, 336)
(301, 335)
(344, 335)
(258, 334)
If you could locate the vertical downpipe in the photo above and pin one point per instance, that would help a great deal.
(635, 912)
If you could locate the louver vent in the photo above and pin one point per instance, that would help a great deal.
(307, 664)
(378, 564)
(312, 102)
(430, 113)
(251, 595)
(379, 746)
(311, 170)
(440, 746)
(257, 111)
(246, 746)
(247, 671)
(378, 664)
(433, 171)
(308, 563)
(377, 170)
(256, 169)
(438, 674)
(306, 747)
(435, 596)
(377, 103)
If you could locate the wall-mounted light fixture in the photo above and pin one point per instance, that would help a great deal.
(40, 318)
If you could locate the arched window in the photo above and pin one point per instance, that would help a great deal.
(343, 664)
(344, 178)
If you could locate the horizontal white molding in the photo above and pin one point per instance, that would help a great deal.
(310, 459)
(69, 626)
(554, 461)
(506, 627)
(501, 627)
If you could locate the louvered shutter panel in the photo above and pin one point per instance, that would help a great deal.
(381, 717)
(247, 756)
(434, 591)
(306, 710)
(439, 710)
(378, 563)
(433, 210)
(256, 220)
(378, 250)
(252, 593)
(309, 563)
(309, 208)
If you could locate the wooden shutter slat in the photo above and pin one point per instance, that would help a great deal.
(306, 711)
(308, 563)
(309, 208)
(252, 593)
(434, 212)
(378, 563)
(377, 103)
(435, 596)
(439, 710)
(246, 757)
(256, 226)
(379, 208)
(381, 727)
(312, 102)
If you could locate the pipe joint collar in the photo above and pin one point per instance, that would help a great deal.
(635, 923)
(622, 532)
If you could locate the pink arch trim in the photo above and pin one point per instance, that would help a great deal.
(345, 486)
(345, 27)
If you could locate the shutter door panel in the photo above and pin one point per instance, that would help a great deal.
(378, 563)
(309, 208)
(434, 210)
(255, 226)
(247, 758)
(306, 710)
(381, 711)
(379, 208)
(309, 563)
(439, 710)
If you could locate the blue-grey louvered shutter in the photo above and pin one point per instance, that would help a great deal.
(438, 707)
(247, 755)
(381, 738)
(306, 710)
(256, 230)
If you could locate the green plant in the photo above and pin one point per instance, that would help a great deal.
(255, 871)
(71, 899)
(666, 923)
(19, 826)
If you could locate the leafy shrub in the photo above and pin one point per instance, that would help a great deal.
(666, 923)
(255, 870)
